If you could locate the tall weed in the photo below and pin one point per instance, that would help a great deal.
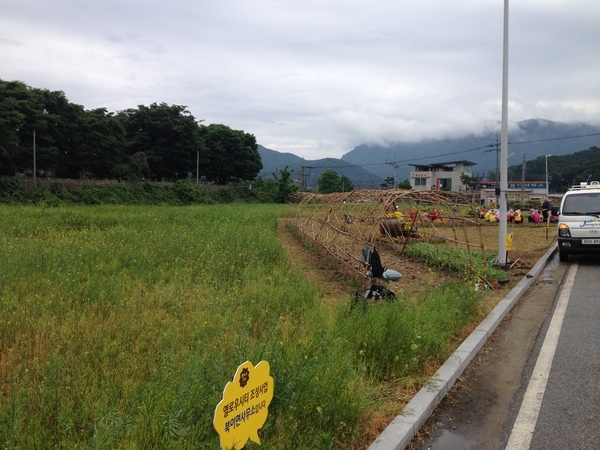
(120, 327)
(396, 339)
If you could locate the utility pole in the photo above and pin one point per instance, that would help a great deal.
(496, 148)
(497, 144)
(547, 186)
(34, 162)
(197, 166)
(304, 174)
(523, 170)
(394, 164)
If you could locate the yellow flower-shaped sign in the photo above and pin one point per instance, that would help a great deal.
(244, 407)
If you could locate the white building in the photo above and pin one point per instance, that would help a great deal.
(444, 176)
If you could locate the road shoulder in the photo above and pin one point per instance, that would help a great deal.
(473, 414)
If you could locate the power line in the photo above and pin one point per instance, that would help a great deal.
(394, 164)
(458, 152)
(409, 160)
(554, 139)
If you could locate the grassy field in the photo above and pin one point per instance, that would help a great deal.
(120, 326)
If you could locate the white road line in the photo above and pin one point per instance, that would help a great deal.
(522, 432)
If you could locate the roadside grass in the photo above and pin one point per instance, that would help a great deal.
(120, 327)
(396, 340)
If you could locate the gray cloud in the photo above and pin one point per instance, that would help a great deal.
(315, 78)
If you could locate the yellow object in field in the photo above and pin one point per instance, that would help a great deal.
(509, 239)
(393, 215)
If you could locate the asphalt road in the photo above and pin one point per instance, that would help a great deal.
(561, 402)
(536, 382)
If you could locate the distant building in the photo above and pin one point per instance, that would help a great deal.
(446, 176)
(443, 176)
(516, 191)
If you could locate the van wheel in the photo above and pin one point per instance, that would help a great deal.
(563, 256)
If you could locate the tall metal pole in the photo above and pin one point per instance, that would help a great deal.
(547, 187)
(501, 258)
(523, 170)
(35, 162)
(197, 166)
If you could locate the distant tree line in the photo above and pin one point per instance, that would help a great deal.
(564, 171)
(330, 181)
(161, 142)
(155, 142)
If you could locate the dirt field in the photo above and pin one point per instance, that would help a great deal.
(530, 242)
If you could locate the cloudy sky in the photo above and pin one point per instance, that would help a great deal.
(314, 77)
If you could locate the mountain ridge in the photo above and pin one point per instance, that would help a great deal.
(369, 165)
(528, 139)
(311, 170)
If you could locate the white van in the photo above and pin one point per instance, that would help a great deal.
(579, 221)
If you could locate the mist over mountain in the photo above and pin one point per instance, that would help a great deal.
(530, 139)
(369, 165)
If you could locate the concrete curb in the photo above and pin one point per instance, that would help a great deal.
(404, 427)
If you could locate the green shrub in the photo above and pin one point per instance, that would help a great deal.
(12, 190)
(188, 193)
(42, 196)
(59, 190)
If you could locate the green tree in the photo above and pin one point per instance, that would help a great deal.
(70, 142)
(405, 185)
(346, 184)
(389, 183)
(134, 168)
(329, 182)
(493, 175)
(285, 184)
(267, 191)
(231, 155)
(469, 181)
(169, 137)
(60, 130)
(23, 112)
(11, 119)
(103, 144)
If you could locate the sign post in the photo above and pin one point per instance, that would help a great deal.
(244, 407)
(509, 241)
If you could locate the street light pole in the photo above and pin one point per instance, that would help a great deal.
(197, 166)
(502, 257)
(547, 187)
(34, 162)
(523, 169)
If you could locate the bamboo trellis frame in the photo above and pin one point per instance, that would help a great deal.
(344, 223)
